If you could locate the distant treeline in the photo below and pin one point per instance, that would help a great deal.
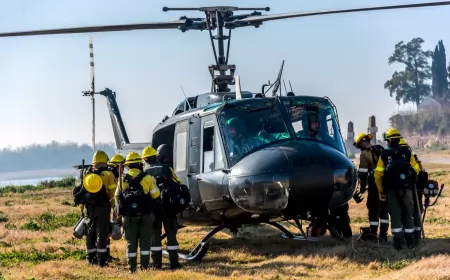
(49, 156)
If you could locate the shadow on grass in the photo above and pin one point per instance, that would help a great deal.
(253, 247)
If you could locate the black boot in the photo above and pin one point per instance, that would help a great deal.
(383, 232)
(418, 236)
(399, 240)
(92, 259)
(101, 259)
(156, 265)
(175, 265)
(410, 240)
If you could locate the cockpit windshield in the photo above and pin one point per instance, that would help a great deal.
(314, 120)
(250, 125)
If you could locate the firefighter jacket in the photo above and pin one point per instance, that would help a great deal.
(379, 170)
(366, 165)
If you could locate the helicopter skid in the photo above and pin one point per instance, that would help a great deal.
(200, 250)
(302, 237)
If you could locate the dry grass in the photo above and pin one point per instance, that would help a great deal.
(255, 253)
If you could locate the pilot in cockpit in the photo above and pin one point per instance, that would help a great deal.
(311, 126)
(238, 143)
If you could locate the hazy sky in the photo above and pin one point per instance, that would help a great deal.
(341, 56)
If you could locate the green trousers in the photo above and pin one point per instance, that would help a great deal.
(401, 210)
(97, 225)
(170, 228)
(137, 231)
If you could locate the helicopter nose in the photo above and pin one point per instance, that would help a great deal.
(294, 178)
(321, 177)
(259, 183)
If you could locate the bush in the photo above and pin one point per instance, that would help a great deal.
(48, 222)
(68, 182)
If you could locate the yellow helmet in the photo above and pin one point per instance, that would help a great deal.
(100, 157)
(133, 157)
(92, 182)
(391, 133)
(148, 152)
(362, 137)
(403, 142)
(116, 160)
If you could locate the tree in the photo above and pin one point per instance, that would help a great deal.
(410, 85)
(439, 73)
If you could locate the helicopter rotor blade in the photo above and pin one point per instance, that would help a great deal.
(106, 28)
(254, 19)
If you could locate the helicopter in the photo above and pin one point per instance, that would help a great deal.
(284, 174)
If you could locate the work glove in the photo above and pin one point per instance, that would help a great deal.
(382, 196)
(358, 197)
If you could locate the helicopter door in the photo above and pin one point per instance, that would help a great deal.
(180, 150)
(212, 161)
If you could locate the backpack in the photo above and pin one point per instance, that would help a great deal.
(376, 152)
(175, 197)
(134, 201)
(398, 172)
(84, 197)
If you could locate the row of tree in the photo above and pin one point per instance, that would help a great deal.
(49, 156)
(413, 83)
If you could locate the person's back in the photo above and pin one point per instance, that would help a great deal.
(395, 175)
(135, 195)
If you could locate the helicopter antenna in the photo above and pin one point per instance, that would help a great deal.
(189, 105)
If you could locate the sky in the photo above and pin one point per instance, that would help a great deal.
(344, 57)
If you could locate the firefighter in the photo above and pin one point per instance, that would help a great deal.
(164, 176)
(395, 175)
(422, 181)
(115, 166)
(341, 221)
(136, 196)
(377, 210)
(101, 184)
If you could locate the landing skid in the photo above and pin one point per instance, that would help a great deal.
(302, 236)
(202, 247)
(200, 250)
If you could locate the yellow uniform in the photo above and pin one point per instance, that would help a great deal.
(397, 189)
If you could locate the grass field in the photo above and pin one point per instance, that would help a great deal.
(36, 242)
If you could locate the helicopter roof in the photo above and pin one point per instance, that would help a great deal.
(212, 108)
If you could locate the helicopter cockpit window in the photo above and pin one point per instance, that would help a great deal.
(316, 121)
(251, 126)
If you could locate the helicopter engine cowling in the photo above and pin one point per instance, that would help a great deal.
(293, 178)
